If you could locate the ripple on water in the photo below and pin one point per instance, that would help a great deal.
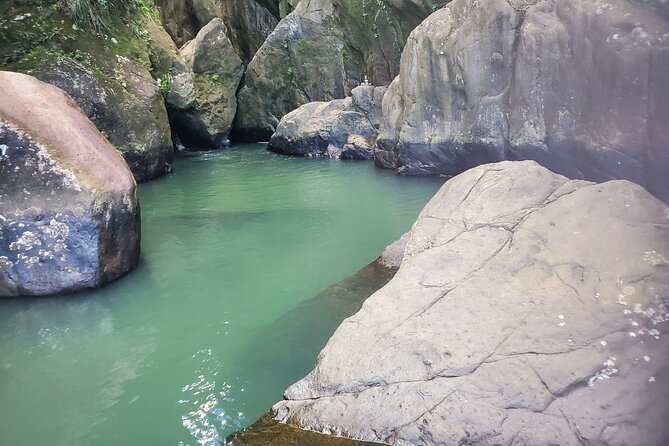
(205, 400)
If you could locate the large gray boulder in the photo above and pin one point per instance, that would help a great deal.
(580, 86)
(319, 52)
(69, 216)
(343, 128)
(528, 309)
(202, 97)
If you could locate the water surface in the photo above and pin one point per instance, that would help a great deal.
(206, 334)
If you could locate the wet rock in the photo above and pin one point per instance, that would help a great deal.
(343, 128)
(528, 309)
(269, 432)
(579, 86)
(69, 216)
(203, 98)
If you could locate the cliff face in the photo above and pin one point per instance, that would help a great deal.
(249, 22)
(320, 52)
(579, 86)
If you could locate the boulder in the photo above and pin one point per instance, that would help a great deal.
(581, 87)
(69, 216)
(319, 52)
(342, 128)
(528, 309)
(169, 68)
(203, 98)
(107, 75)
(249, 22)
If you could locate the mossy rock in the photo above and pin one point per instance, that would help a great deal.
(107, 74)
(320, 52)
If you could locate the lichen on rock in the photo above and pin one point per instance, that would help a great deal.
(69, 218)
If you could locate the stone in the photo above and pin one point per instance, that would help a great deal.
(203, 99)
(170, 69)
(580, 87)
(69, 215)
(249, 22)
(108, 77)
(528, 309)
(394, 253)
(320, 52)
(342, 128)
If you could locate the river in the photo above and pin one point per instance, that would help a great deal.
(219, 317)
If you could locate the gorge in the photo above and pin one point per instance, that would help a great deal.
(193, 193)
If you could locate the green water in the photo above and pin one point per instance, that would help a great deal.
(196, 343)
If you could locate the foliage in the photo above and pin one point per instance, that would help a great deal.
(376, 11)
(165, 83)
(148, 8)
(97, 14)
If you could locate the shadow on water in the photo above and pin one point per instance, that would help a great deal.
(291, 350)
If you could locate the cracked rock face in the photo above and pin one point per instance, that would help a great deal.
(579, 86)
(69, 216)
(528, 309)
(343, 128)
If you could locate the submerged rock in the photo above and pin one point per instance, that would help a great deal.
(269, 432)
(202, 97)
(579, 86)
(343, 128)
(528, 309)
(69, 216)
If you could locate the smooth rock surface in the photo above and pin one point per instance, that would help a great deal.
(528, 309)
(579, 86)
(343, 128)
(69, 216)
(203, 99)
